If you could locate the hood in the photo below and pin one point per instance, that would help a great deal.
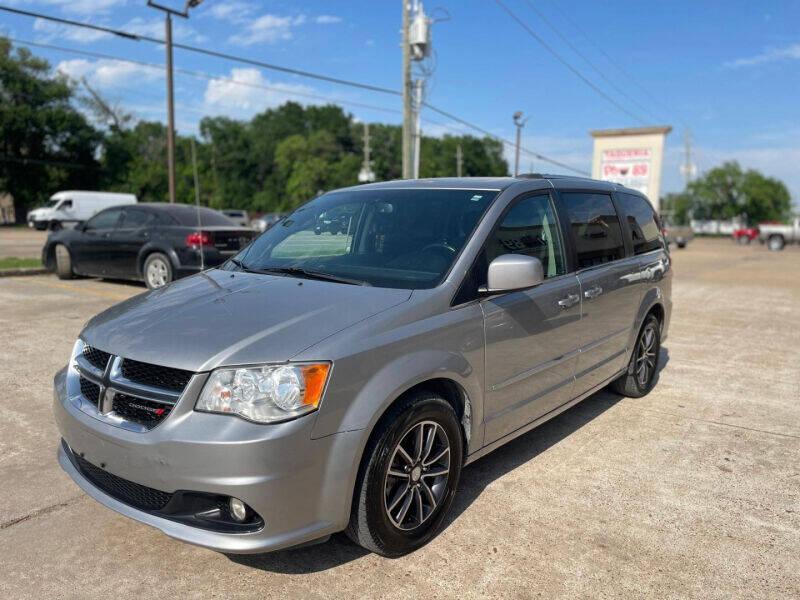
(220, 318)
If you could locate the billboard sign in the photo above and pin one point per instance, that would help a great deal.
(627, 166)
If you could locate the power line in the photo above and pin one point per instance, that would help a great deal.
(301, 73)
(614, 63)
(264, 65)
(589, 62)
(200, 75)
(566, 63)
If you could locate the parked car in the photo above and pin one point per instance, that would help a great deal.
(73, 207)
(266, 221)
(240, 217)
(156, 243)
(319, 383)
(777, 236)
(745, 235)
(680, 235)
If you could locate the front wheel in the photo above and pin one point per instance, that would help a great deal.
(408, 476)
(776, 243)
(743, 240)
(639, 378)
(157, 271)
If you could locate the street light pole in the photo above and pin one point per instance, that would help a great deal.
(520, 123)
(170, 87)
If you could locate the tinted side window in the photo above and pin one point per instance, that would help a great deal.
(645, 232)
(529, 228)
(106, 219)
(133, 219)
(595, 228)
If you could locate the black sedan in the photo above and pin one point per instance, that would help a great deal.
(152, 242)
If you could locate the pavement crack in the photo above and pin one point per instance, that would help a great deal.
(40, 511)
(720, 423)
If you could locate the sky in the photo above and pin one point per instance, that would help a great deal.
(728, 71)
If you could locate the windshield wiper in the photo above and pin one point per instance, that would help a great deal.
(300, 272)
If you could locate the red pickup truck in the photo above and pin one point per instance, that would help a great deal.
(745, 235)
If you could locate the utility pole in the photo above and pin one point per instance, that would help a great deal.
(366, 174)
(459, 160)
(688, 169)
(407, 116)
(419, 90)
(520, 123)
(170, 93)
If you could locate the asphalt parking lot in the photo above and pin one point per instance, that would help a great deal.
(692, 491)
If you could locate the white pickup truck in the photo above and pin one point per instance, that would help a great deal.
(777, 236)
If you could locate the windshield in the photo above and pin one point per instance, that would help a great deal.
(52, 202)
(386, 238)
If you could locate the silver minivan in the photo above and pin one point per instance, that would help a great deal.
(339, 372)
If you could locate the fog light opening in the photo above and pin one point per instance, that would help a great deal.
(238, 510)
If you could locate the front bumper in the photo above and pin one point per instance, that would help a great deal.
(301, 487)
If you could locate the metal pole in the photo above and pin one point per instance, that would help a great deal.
(197, 202)
(367, 163)
(459, 160)
(407, 112)
(516, 154)
(170, 112)
(419, 90)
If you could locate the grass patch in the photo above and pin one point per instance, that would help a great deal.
(19, 263)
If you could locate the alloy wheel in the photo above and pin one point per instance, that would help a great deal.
(416, 480)
(646, 356)
(157, 273)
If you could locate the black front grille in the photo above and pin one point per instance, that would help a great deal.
(156, 376)
(96, 357)
(133, 494)
(139, 410)
(90, 391)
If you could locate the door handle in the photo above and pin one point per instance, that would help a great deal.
(593, 292)
(569, 301)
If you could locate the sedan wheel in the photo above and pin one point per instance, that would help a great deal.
(157, 271)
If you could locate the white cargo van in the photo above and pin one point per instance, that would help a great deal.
(74, 206)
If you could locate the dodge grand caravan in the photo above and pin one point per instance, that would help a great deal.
(324, 380)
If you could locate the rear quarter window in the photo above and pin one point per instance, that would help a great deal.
(595, 228)
(643, 228)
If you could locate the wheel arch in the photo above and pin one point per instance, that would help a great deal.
(152, 248)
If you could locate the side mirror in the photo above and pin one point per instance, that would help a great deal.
(511, 272)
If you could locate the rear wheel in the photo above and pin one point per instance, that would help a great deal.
(157, 271)
(639, 377)
(743, 239)
(776, 243)
(63, 262)
(408, 477)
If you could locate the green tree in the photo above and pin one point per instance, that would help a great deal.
(728, 191)
(45, 143)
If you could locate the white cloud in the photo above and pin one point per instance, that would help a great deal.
(268, 29)
(82, 7)
(107, 74)
(233, 11)
(790, 52)
(327, 20)
(245, 93)
(49, 31)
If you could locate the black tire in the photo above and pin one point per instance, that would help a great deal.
(630, 383)
(54, 225)
(371, 525)
(744, 240)
(681, 244)
(63, 262)
(157, 270)
(776, 243)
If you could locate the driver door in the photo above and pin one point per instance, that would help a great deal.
(532, 336)
(91, 251)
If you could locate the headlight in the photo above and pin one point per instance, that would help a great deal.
(265, 394)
